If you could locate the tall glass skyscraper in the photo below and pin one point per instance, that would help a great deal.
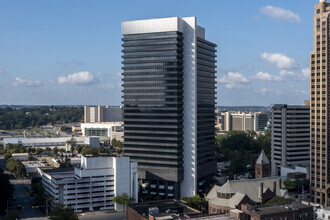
(169, 104)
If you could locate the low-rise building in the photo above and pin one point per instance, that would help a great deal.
(168, 210)
(287, 172)
(323, 213)
(288, 211)
(104, 129)
(21, 156)
(59, 142)
(92, 186)
(222, 199)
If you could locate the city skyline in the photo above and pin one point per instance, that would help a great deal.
(56, 53)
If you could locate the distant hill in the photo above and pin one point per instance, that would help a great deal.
(244, 108)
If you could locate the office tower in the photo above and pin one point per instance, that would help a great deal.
(169, 103)
(290, 138)
(102, 114)
(320, 166)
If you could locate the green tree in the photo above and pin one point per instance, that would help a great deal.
(6, 190)
(15, 166)
(116, 143)
(80, 148)
(55, 151)
(117, 146)
(61, 213)
(72, 143)
(13, 215)
(279, 200)
(263, 142)
(90, 151)
(39, 151)
(195, 202)
(289, 184)
(37, 191)
(123, 199)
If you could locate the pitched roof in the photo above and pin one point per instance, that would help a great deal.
(240, 188)
(262, 159)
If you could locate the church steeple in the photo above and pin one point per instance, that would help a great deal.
(262, 168)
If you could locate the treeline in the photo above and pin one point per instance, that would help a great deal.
(37, 116)
(242, 149)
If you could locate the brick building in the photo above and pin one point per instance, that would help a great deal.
(262, 169)
(293, 210)
(251, 191)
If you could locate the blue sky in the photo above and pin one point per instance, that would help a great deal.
(69, 52)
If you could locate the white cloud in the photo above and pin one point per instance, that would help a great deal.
(234, 80)
(301, 92)
(304, 75)
(280, 13)
(265, 91)
(267, 77)
(2, 71)
(108, 86)
(81, 78)
(27, 83)
(286, 73)
(280, 60)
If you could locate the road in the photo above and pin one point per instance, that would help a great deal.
(2, 162)
(23, 199)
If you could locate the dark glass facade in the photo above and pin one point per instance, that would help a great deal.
(153, 108)
(153, 100)
(206, 89)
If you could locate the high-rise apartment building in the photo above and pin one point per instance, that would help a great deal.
(169, 103)
(320, 152)
(290, 137)
(243, 121)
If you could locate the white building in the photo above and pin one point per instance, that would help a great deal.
(92, 186)
(323, 213)
(21, 156)
(290, 137)
(243, 121)
(105, 129)
(60, 142)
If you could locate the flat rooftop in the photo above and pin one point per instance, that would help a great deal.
(175, 207)
(273, 209)
(60, 173)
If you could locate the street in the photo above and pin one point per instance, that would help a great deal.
(23, 199)
(2, 162)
